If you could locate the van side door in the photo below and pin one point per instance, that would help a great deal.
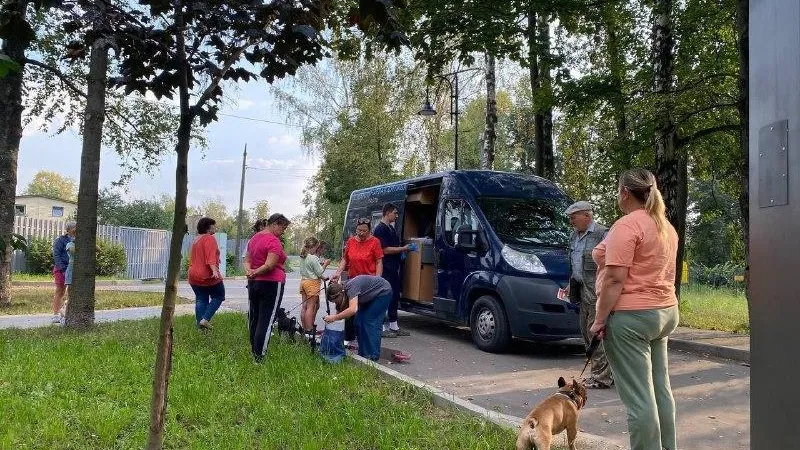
(456, 220)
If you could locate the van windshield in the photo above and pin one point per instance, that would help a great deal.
(528, 221)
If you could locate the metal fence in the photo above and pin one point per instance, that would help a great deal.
(146, 250)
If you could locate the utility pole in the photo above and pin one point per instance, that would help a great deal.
(241, 212)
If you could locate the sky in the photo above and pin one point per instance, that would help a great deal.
(280, 168)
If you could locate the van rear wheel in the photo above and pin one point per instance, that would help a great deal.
(489, 325)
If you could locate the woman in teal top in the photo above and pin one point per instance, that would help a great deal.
(312, 272)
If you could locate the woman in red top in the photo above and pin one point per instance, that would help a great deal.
(204, 276)
(363, 255)
(264, 267)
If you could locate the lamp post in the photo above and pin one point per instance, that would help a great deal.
(428, 110)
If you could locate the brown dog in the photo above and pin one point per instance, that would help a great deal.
(553, 415)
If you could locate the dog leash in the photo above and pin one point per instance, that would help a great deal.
(589, 352)
(324, 288)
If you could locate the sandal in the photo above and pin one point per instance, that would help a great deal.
(400, 357)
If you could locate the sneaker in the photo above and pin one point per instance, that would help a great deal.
(594, 384)
(388, 333)
(401, 332)
(204, 324)
(56, 318)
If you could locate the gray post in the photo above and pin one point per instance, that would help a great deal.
(774, 221)
(239, 220)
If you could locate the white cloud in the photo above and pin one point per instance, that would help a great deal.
(284, 140)
(265, 163)
(222, 161)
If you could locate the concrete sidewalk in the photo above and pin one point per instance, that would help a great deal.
(719, 344)
(103, 315)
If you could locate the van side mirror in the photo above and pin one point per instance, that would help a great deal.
(470, 241)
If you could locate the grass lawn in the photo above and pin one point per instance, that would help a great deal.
(17, 276)
(63, 389)
(714, 309)
(34, 300)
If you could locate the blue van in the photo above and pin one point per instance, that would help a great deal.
(493, 252)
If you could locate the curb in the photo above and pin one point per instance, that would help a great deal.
(443, 399)
(699, 348)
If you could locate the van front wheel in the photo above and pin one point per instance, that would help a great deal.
(489, 325)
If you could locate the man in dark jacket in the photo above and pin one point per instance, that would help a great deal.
(392, 251)
(60, 263)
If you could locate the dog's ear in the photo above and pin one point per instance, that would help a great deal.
(561, 382)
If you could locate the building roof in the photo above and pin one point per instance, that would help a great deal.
(47, 197)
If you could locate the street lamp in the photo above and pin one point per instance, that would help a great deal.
(427, 109)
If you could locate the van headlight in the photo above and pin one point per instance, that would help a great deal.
(526, 262)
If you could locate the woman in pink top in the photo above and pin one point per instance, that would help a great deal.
(264, 267)
(637, 309)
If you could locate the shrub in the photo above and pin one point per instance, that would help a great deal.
(184, 268)
(111, 258)
(231, 268)
(39, 256)
(717, 276)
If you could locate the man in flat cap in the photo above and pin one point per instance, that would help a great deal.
(583, 275)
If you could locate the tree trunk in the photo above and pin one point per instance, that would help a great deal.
(548, 158)
(80, 312)
(743, 42)
(10, 135)
(539, 66)
(533, 69)
(158, 404)
(490, 132)
(671, 164)
(617, 70)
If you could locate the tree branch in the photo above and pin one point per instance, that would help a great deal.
(708, 131)
(712, 107)
(61, 76)
(701, 80)
(208, 92)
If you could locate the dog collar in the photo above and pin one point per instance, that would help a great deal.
(571, 395)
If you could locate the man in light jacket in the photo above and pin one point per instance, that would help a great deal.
(583, 275)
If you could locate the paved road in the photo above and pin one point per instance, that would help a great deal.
(712, 395)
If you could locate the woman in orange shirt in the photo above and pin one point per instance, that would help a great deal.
(637, 309)
(363, 255)
(204, 276)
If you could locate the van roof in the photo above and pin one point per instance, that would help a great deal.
(487, 183)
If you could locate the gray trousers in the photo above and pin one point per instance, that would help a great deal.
(584, 295)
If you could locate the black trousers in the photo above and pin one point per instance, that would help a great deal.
(264, 298)
(393, 277)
